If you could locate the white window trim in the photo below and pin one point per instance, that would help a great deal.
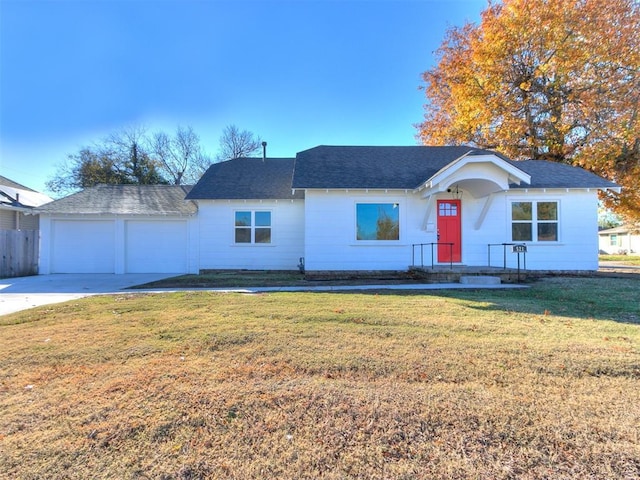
(252, 243)
(378, 243)
(534, 220)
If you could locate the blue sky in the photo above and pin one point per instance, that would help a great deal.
(296, 73)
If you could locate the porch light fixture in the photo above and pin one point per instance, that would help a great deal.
(455, 192)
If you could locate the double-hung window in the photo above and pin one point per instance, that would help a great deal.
(253, 226)
(534, 221)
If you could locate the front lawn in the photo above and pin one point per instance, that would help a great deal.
(230, 279)
(625, 259)
(530, 383)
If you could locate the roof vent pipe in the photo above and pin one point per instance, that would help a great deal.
(264, 151)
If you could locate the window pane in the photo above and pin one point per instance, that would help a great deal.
(263, 235)
(378, 221)
(263, 219)
(614, 240)
(547, 232)
(521, 232)
(243, 219)
(521, 211)
(448, 209)
(547, 210)
(243, 235)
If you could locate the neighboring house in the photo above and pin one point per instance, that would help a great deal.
(347, 208)
(16, 205)
(19, 234)
(620, 240)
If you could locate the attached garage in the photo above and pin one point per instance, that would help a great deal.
(119, 229)
(83, 246)
(156, 246)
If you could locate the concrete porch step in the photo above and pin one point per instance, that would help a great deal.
(480, 280)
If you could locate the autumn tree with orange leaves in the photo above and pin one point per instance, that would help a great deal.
(545, 79)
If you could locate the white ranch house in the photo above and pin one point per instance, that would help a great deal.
(339, 209)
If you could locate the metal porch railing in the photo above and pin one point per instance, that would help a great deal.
(422, 245)
(518, 248)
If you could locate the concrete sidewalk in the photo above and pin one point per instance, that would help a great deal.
(22, 293)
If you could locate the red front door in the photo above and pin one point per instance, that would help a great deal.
(449, 231)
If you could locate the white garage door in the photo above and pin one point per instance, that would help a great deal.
(83, 246)
(156, 247)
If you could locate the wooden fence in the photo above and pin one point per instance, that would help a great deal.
(18, 253)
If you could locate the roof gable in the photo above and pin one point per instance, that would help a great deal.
(481, 174)
(247, 178)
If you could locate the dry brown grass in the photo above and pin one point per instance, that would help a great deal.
(540, 383)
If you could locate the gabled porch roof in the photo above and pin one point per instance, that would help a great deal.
(479, 173)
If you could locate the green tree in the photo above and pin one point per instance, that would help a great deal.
(121, 158)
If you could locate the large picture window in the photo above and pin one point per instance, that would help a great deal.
(253, 227)
(534, 221)
(377, 221)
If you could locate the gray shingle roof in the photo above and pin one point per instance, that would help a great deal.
(410, 167)
(373, 167)
(364, 167)
(545, 174)
(247, 178)
(125, 200)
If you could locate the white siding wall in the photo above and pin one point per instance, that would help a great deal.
(330, 236)
(605, 246)
(330, 242)
(628, 242)
(634, 244)
(577, 246)
(218, 249)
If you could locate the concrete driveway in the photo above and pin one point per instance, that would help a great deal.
(26, 292)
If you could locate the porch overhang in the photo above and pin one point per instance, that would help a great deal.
(479, 175)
